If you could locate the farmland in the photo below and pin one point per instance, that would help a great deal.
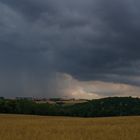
(25, 127)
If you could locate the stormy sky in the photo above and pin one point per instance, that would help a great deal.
(70, 48)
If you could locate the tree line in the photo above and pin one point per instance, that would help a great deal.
(112, 106)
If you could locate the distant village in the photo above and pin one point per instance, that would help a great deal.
(51, 100)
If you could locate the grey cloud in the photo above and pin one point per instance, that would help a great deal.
(90, 40)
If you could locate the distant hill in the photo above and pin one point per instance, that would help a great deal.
(112, 106)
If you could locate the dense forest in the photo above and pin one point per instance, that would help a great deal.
(112, 106)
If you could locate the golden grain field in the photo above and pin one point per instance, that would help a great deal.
(18, 127)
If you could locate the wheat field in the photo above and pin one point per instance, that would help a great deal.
(19, 127)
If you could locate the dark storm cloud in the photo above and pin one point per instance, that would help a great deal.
(30, 8)
(90, 40)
